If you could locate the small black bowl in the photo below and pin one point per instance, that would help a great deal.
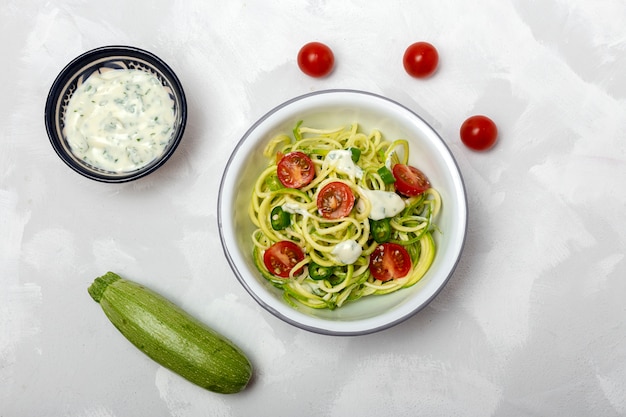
(77, 71)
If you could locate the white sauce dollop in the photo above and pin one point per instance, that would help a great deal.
(119, 120)
(295, 208)
(384, 203)
(341, 161)
(347, 252)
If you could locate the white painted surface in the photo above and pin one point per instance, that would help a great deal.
(533, 321)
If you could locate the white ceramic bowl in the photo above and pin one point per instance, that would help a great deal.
(329, 109)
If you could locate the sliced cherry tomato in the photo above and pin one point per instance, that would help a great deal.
(295, 170)
(335, 200)
(316, 59)
(281, 257)
(389, 261)
(420, 59)
(410, 181)
(479, 133)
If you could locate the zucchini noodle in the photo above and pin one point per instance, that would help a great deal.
(318, 236)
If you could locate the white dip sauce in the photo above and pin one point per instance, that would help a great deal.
(383, 203)
(347, 252)
(341, 160)
(119, 120)
(295, 208)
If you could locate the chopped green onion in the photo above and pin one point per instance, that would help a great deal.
(296, 131)
(273, 183)
(386, 175)
(356, 154)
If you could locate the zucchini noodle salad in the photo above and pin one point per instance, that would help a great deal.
(341, 215)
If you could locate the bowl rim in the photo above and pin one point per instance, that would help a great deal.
(358, 330)
(70, 70)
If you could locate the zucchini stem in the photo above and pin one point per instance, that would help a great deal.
(96, 289)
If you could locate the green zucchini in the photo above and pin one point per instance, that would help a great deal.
(170, 336)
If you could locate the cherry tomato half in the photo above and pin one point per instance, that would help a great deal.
(389, 261)
(295, 170)
(420, 59)
(410, 181)
(316, 59)
(479, 133)
(335, 200)
(281, 257)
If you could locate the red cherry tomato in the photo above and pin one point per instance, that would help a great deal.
(281, 257)
(295, 170)
(420, 59)
(335, 200)
(479, 133)
(389, 261)
(316, 59)
(410, 181)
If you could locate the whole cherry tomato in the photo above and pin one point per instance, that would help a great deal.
(479, 133)
(316, 59)
(420, 59)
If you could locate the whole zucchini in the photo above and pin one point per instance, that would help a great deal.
(170, 336)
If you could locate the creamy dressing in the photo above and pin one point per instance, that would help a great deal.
(295, 208)
(383, 203)
(119, 120)
(341, 161)
(347, 252)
